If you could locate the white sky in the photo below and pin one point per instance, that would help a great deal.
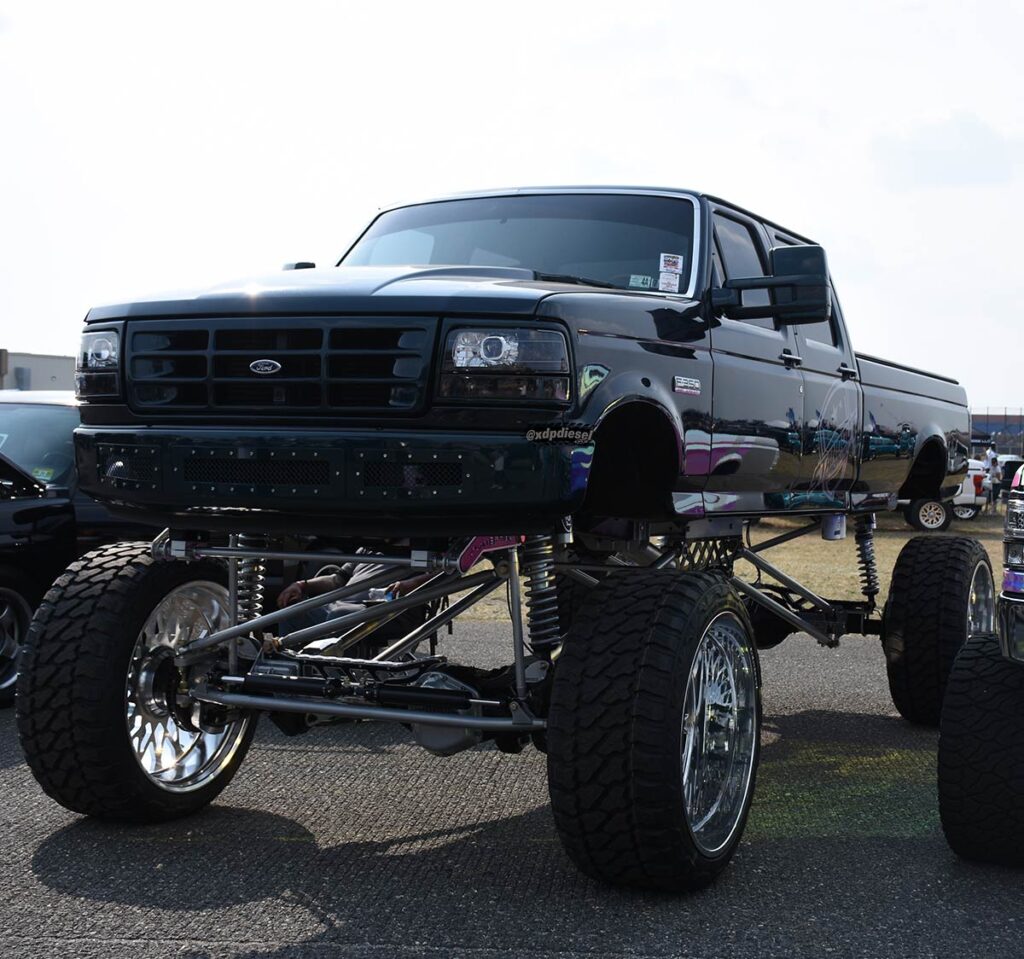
(146, 146)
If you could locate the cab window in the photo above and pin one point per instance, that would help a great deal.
(740, 256)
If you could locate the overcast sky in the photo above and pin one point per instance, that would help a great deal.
(146, 146)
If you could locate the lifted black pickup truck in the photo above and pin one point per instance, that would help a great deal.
(586, 394)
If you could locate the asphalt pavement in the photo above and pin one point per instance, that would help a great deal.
(351, 841)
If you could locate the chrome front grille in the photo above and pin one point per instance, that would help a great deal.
(350, 365)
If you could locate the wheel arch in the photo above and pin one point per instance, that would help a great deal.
(928, 472)
(638, 456)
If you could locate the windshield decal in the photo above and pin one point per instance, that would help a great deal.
(671, 263)
(640, 281)
(668, 282)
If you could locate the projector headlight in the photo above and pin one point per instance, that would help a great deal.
(500, 363)
(99, 359)
(1015, 517)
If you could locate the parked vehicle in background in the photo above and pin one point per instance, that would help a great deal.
(974, 492)
(1009, 464)
(981, 735)
(582, 396)
(928, 514)
(46, 522)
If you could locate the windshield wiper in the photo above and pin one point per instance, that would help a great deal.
(577, 280)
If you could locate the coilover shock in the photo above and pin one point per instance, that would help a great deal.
(538, 567)
(252, 574)
(865, 540)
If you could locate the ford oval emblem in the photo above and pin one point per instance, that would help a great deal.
(264, 367)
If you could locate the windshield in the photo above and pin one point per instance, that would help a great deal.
(38, 439)
(631, 242)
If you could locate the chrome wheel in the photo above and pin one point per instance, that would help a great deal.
(981, 604)
(15, 616)
(965, 512)
(176, 749)
(719, 734)
(932, 515)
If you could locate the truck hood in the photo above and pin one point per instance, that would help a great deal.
(357, 289)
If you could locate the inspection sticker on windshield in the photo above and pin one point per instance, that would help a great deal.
(671, 263)
(640, 281)
(668, 282)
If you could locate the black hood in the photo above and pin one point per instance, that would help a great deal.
(357, 289)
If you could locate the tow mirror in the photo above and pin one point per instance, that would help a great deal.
(799, 287)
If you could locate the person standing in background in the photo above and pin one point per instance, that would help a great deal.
(995, 476)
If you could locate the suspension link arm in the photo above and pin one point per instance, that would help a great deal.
(383, 578)
(788, 581)
(424, 595)
(779, 610)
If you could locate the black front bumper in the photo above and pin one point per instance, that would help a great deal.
(364, 482)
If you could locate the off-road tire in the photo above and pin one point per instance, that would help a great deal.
(913, 515)
(615, 729)
(981, 755)
(16, 604)
(926, 620)
(71, 686)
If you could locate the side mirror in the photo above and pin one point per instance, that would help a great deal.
(300, 265)
(798, 283)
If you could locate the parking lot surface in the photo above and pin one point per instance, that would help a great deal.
(353, 842)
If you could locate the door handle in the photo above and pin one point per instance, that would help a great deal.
(847, 372)
(790, 359)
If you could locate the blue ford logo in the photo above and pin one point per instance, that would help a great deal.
(263, 367)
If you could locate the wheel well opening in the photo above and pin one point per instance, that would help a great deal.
(926, 474)
(636, 462)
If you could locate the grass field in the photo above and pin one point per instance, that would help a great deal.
(830, 569)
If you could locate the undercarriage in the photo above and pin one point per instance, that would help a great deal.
(632, 663)
(303, 676)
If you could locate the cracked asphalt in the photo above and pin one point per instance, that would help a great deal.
(352, 842)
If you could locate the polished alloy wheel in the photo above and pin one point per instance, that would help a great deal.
(932, 515)
(719, 733)
(15, 616)
(965, 512)
(176, 749)
(981, 605)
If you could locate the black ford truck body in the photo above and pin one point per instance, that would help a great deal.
(579, 396)
(326, 399)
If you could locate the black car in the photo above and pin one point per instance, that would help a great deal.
(45, 520)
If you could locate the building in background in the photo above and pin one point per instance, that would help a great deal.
(1002, 426)
(36, 371)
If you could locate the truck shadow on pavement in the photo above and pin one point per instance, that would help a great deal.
(843, 844)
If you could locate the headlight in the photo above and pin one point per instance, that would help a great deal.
(99, 358)
(497, 364)
(1015, 554)
(1015, 517)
